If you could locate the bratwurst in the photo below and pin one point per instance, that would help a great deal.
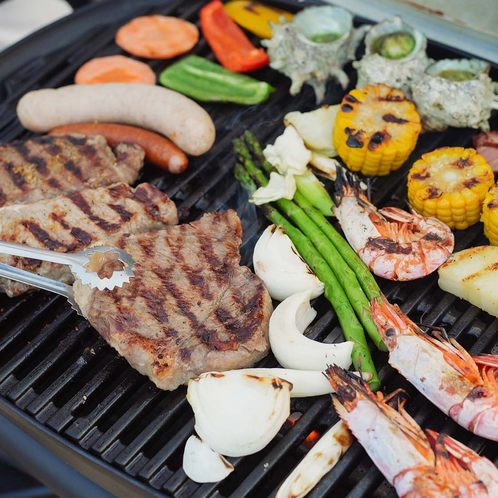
(158, 109)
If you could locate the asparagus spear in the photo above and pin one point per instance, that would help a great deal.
(248, 174)
(342, 271)
(308, 184)
(307, 201)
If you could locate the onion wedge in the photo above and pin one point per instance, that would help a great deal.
(305, 383)
(319, 460)
(295, 351)
(278, 264)
(202, 464)
(238, 414)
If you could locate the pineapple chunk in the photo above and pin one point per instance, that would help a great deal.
(472, 274)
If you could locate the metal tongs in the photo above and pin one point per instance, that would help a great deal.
(78, 263)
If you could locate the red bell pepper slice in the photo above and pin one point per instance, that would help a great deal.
(228, 42)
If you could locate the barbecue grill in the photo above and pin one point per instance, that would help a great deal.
(62, 384)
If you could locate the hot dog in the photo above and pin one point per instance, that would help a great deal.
(158, 149)
(162, 110)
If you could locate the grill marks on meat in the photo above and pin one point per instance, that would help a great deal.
(190, 307)
(72, 223)
(48, 166)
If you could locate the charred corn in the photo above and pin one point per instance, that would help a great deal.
(376, 129)
(490, 215)
(450, 184)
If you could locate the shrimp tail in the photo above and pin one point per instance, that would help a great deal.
(459, 463)
(346, 184)
(488, 368)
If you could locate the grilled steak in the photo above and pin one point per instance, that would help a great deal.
(45, 167)
(71, 223)
(190, 308)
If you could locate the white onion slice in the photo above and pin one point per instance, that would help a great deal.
(238, 414)
(278, 264)
(304, 382)
(295, 351)
(319, 460)
(202, 464)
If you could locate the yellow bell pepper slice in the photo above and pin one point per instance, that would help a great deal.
(255, 17)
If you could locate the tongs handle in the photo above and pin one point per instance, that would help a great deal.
(41, 254)
(25, 277)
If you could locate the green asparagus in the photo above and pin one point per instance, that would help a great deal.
(352, 329)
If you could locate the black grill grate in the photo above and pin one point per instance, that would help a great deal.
(58, 372)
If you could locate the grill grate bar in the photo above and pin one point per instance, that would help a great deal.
(64, 348)
(126, 420)
(82, 425)
(34, 345)
(87, 359)
(64, 416)
(178, 403)
(167, 451)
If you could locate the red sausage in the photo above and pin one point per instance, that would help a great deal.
(158, 149)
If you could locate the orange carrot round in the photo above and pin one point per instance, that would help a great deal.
(157, 37)
(114, 69)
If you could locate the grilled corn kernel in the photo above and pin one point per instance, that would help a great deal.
(376, 129)
(490, 215)
(450, 184)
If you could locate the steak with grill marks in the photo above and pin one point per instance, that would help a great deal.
(48, 166)
(72, 223)
(190, 308)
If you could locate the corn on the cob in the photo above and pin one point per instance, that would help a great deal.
(376, 129)
(490, 215)
(450, 184)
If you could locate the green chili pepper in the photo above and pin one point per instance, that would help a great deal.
(209, 82)
(395, 45)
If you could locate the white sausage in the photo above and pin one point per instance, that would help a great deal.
(159, 109)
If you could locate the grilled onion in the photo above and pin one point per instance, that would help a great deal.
(202, 464)
(238, 414)
(278, 264)
(292, 349)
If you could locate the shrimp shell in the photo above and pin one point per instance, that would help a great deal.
(418, 464)
(462, 386)
(393, 243)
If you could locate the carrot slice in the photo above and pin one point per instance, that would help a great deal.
(114, 69)
(157, 37)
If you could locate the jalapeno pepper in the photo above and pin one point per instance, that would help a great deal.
(229, 43)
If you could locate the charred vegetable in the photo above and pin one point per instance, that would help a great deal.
(456, 92)
(314, 47)
(490, 215)
(376, 129)
(395, 55)
(450, 184)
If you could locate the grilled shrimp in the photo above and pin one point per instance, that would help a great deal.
(393, 243)
(462, 386)
(418, 464)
